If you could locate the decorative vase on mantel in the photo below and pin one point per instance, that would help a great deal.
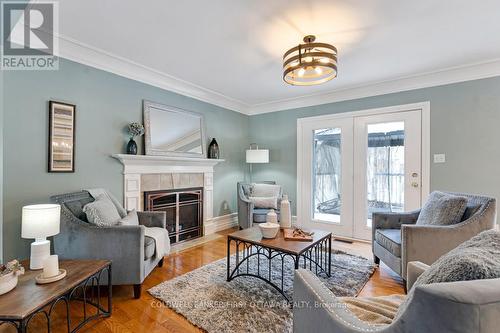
(213, 149)
(132, 147)
(134, 129)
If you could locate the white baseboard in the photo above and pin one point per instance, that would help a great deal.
(220, 223)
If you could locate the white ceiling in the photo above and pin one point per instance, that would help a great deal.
(228, 52)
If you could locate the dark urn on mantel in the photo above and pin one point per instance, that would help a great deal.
(213, 149)
(132, 147)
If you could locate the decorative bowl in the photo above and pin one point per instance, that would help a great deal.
(8, 282)
(269, 230)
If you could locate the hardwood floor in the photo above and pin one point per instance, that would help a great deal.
(148, 315)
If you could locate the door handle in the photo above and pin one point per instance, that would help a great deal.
(414, 184)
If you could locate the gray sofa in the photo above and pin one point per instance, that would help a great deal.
(247, 213)
(465, 306)
(131, 253)
(396, 240)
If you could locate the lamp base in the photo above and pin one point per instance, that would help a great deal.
(40, 250)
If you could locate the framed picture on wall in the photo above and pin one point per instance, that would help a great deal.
(61, 137)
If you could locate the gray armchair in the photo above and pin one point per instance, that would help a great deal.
(247, 213)
(131, 253)
(465, 306)
(397, 240)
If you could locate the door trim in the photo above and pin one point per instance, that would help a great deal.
(425, 108)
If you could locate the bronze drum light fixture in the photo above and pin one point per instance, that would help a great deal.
(310, 63)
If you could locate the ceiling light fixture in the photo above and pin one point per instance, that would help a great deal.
(310, 63)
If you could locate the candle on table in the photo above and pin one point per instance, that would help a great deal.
(51, 266)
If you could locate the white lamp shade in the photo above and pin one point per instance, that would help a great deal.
(257, 156)
(40, 221)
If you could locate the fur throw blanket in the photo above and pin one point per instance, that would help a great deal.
(476, 259)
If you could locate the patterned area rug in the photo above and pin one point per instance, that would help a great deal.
(248, 304)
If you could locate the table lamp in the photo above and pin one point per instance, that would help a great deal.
(39, 222)
(256, 155)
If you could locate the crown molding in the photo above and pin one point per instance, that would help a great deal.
(88, 55)
(429, 79)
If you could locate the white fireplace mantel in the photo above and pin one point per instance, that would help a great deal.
(136, 165)
(159, 164)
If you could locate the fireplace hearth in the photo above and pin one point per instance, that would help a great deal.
(184, 209)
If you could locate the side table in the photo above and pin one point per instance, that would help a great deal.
(28, 299)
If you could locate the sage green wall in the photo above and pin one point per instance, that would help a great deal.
(106, 103)
(464, 125)
(465, 121)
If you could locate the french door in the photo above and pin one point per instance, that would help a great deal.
(351, 167)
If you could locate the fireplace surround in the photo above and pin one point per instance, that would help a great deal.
(145, 173)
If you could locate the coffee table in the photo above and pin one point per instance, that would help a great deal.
(314, 255)
(82, 282)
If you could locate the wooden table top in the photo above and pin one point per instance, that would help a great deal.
(254, 236)
(28, 296)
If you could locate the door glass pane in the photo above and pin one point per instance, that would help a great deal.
(385, 168)
(327, 174)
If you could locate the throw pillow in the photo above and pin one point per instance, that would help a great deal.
(265, 190)
(442, 209)
(131, 219)
(102, 212)
(76, 207)
(265, 202)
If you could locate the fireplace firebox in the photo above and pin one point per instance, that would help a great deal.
(184, 209)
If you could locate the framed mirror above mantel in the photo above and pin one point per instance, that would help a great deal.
(174, 132)
(176, 150)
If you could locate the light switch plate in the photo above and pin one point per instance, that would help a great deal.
(439, 158)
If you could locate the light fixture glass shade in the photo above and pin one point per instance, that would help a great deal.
(40, 221)
(257, 156)
(310, 63)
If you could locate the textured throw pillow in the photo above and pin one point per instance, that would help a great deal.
(476, 259)
(131, 219)
(265, 190)
(265, 202)
(76, 207)
(102, 212)
(442, 209)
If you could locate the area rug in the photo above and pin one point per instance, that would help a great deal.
(248, 304)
